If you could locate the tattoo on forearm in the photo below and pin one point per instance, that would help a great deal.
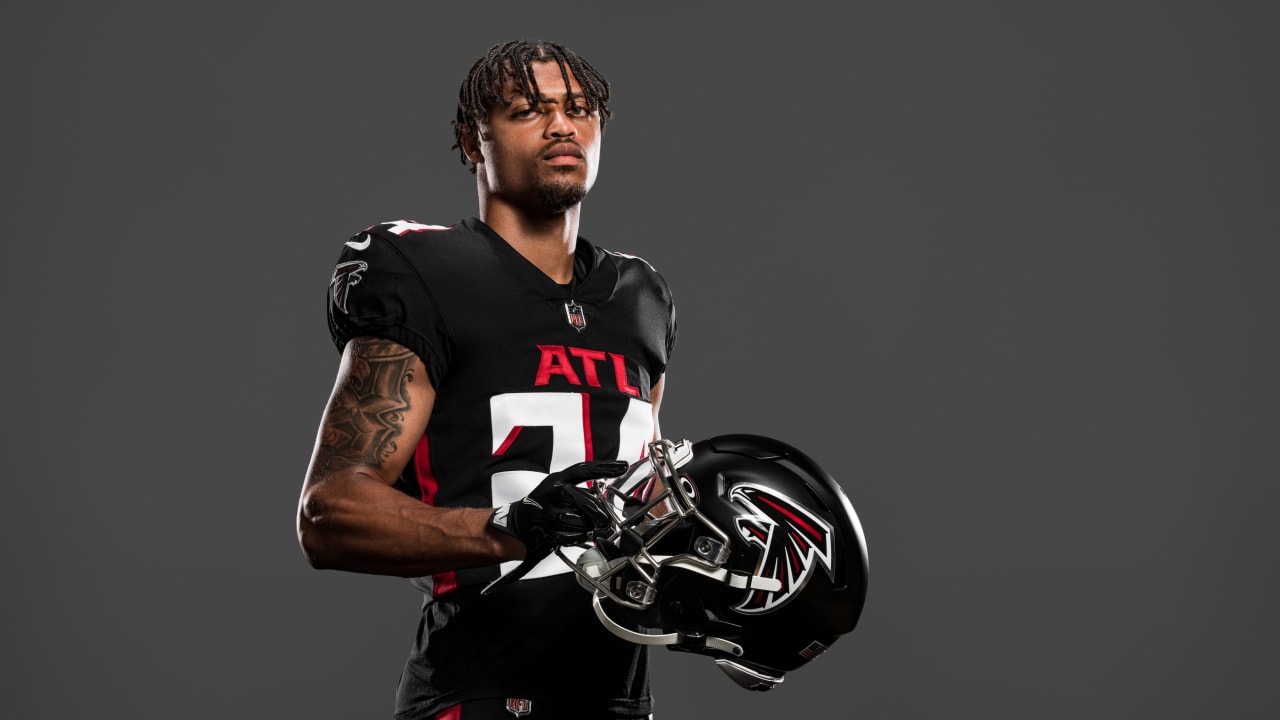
(366, 415)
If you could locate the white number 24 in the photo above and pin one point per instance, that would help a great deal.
(568, 416)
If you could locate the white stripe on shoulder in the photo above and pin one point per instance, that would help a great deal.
(400, 227)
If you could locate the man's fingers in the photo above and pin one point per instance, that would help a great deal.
(591, 470)
(588, 507)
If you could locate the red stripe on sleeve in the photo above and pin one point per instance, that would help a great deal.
(428, 486)
(427, 482)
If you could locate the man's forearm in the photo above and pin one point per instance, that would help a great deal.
(359, 524)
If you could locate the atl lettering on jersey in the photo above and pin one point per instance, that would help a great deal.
(555, 360)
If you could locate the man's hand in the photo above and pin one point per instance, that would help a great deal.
(553, 514)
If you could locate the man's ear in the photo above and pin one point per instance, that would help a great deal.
(471, 146)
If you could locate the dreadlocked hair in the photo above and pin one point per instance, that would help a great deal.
(484, 85)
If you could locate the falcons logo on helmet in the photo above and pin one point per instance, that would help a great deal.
(791, 539)
(344, 276)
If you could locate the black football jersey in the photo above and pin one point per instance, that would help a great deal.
(530, 377)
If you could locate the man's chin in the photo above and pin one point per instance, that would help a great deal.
(560, 197)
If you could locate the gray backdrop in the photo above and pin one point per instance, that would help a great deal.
(1006, 271)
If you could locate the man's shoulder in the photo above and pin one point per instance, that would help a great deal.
(633, 269)
(624, 261)
(628, 258)
(635, 277)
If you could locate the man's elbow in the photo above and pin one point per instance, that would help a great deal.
(313, 521)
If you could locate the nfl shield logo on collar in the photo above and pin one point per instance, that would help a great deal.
(519, 706)
(577, 318)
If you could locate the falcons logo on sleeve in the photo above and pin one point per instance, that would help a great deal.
(791, 539)
(344, 276)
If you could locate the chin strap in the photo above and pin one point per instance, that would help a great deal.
(741, 581)
(746, 677)
(673, 638)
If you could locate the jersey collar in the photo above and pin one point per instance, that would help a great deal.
(595, 286)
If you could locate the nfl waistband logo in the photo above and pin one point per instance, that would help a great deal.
(577, 318)
(519, 706)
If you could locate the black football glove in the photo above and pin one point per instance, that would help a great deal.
(554, 514)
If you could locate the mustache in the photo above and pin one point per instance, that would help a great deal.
(558, 146)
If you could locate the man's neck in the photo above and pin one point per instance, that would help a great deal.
(547, 242)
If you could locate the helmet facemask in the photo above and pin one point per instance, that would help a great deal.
(656, 529)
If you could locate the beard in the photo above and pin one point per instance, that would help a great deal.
(560, 194)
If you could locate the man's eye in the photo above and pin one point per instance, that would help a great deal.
(523, 112)
(580, 110)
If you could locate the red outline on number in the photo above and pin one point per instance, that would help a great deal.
(588, 451)
(511, 438)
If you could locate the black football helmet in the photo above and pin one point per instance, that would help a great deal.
(739, 547)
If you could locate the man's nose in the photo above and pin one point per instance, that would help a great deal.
(559, 124)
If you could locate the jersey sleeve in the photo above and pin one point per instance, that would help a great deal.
(664, 292)
(375, 291)
(656, 318)
(666, 315)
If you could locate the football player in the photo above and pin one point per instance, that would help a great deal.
(490, 368)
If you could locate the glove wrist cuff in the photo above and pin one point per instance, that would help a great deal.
(503, 519)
